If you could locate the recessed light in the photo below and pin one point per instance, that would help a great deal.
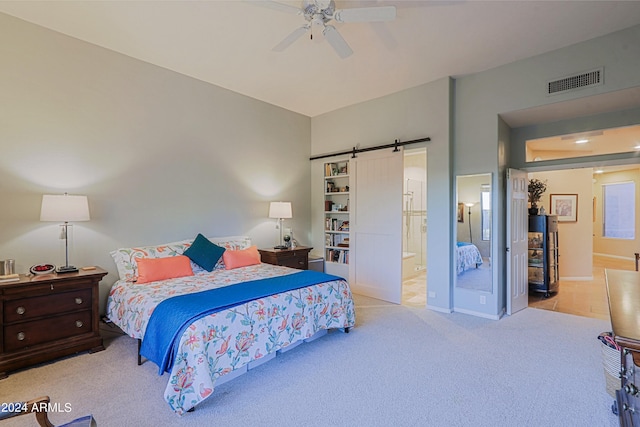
(582, 141)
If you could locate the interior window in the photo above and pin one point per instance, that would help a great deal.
(594, 143)
(619, 206)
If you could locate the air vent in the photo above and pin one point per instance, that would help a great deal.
(578, 81)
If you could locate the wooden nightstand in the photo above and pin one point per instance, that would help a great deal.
(295, 258)
(49, 316)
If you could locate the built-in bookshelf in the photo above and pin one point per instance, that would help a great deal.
(336, 217)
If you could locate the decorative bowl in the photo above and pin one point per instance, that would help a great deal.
(42, 269)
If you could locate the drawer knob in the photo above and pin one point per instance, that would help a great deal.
(79, 324)
(20, 310)
(78, 301)
(21, 336)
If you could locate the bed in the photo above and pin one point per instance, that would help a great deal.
(223, 344)
(467, 257)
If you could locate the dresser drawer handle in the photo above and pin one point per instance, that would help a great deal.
(78, 301)
(21, 336)
(20, 310)
(79, 324)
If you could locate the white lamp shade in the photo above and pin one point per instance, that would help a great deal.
(64, 208)
(280, 210)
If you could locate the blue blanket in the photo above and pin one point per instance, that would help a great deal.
(172, 316)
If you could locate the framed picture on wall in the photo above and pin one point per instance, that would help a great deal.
(565, 206)
(460, 212)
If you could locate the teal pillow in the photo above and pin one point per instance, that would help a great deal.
(204, 252)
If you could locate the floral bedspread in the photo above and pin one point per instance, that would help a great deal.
(222, 342)
(468, 257)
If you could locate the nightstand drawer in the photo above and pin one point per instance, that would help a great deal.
(28, 334)
(33, 307)
(299, 262)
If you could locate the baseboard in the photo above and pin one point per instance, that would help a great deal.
(633, 258)
(439, 309)
(477, 313)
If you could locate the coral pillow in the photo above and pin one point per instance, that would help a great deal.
(241, 258)
(152, 269)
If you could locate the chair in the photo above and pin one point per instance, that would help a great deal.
(39, 407)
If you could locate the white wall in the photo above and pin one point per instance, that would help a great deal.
(423, 111)
(161, 156)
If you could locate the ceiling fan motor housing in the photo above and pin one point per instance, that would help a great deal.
(318, 12)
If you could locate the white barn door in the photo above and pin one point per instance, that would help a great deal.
(376, 228)
(517, 241)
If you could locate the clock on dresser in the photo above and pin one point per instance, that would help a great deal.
(48, 316)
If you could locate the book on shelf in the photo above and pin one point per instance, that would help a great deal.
(338, 256)
(334, 169)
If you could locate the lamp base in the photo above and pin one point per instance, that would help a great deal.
(66, 269)
(280, 247)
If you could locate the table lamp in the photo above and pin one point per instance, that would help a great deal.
(67, 209)
(280, 210)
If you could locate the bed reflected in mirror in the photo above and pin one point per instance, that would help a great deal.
(473, 233)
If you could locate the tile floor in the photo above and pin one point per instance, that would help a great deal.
(582, 298)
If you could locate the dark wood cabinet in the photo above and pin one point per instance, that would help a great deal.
(294, 258)
(543, 254)
(49, 316)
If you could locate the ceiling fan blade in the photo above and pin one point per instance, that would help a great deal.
(276, 6)
(366, 14)
(295, 35)
(336, 41)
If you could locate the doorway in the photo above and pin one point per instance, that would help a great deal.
(414, 228)
(585, 249)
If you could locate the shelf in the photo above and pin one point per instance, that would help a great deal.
(336, 194)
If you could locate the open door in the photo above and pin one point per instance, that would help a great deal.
(376, 225)
(517, 229)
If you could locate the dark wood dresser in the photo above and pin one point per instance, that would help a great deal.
(49, 316)
(623, 291)
(294, 258)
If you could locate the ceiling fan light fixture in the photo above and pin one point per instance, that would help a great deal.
(318, 13)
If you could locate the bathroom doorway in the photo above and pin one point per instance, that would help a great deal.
(414, 228)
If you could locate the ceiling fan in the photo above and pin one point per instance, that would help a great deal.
(318, 13)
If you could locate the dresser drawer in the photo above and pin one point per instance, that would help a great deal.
(298, 261)
(28, 334)
(33, 307)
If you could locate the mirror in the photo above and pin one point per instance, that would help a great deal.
(473, 233)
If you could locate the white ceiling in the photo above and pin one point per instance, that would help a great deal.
(228, 43)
